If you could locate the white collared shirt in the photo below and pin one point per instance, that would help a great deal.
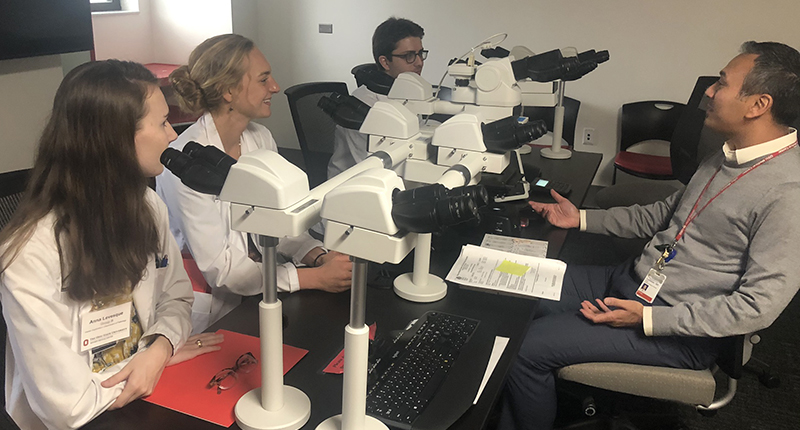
(745, 155)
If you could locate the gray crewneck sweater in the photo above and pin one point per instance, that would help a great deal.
(737, 265)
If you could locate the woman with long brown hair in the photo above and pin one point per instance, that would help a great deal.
(94, 301)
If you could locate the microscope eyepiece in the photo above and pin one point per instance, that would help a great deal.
(345, 110)
(201, 168)
(433, 207)
(507, 134)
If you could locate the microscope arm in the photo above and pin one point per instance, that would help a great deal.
(269, 196)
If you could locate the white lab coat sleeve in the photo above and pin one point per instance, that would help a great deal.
(172, 290)
(60, 387)
(297, 247)
(206, 234)
(287, 278)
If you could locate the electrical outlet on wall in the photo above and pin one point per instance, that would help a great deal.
(588, 136)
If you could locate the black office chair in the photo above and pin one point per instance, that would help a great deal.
(12, 185)
(690, 143)
(547, 114)
(315, 129)
(641, 123)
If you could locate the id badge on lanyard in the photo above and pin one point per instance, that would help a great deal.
(652, 283)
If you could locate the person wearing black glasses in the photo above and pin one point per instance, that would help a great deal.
(396, 48)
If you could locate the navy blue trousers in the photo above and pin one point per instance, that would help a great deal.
(560, 336)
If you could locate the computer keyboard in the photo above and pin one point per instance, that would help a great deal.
(403, 379)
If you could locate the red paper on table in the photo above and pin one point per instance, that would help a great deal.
(336, 366)
(184, 387)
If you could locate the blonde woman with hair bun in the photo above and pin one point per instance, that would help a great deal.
(230, 82)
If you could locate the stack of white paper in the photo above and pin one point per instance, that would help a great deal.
(504, 272)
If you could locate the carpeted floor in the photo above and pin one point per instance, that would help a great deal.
(755, 407)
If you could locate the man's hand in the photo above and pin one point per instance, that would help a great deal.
(334, 275)
(626, 313)
(141, 373)
(209, 342)
(562, 213)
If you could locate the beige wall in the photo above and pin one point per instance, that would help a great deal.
(161, 31)
(124, 35)
(180, 25)
(27, 86)
(658, 48)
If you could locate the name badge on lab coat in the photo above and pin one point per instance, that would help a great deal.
(105, 326)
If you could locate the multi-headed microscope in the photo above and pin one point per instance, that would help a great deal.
(481, 139)
(369, 213)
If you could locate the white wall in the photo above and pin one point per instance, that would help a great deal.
(180, 25)
(28, 86)
(161, 31)
(657, 48)
(244, 15)
(124, 35)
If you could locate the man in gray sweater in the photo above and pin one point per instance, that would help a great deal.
(721, 260)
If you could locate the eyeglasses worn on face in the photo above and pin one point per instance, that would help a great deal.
(225, 379)
(411, 56)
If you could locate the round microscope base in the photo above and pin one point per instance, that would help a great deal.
(251, 415)
(435, 290)
(561, 154)
(335, 423)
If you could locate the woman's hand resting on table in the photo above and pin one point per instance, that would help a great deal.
(198, 344)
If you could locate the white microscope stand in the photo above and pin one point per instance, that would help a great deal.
(420, 285)
(273, 406)
(356, 349)
(555, 151)
(375, 236)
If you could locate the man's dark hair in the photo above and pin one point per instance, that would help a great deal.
(776, 72)
(391, 31)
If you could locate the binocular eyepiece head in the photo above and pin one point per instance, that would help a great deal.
(431, 208)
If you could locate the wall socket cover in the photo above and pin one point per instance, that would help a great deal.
(326, 28)
(588, 136)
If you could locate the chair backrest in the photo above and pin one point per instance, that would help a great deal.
(12, 185)
(372, 77)
(692, 142)
(648, 120)
(315, 129)
(547, 114)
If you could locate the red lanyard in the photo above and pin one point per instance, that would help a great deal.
(693, 214)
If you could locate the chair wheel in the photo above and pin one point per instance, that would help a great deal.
(589, 407)
(770, 381)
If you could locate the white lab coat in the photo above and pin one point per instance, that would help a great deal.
(49, 382)
(201, 225)
(350, 146)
